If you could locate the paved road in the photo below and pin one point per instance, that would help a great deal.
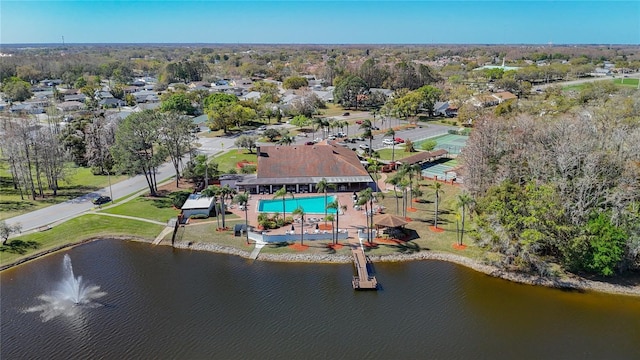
(77, 206)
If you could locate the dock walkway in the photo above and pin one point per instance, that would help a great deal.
(363, 281)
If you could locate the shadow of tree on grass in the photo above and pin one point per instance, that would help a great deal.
(19, 246)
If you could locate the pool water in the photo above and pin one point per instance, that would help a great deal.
(311, 205)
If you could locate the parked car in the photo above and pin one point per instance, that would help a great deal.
(364, 146)
(399, 140)
(310, 143)
(388, 142)
(359, 138)
(331, 137)
(101, 200)
(341, 134)
(262, 128)
(346, 114)
(359, 122)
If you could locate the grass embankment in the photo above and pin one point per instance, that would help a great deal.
(78, 182)
(74, 231)
(158, 209)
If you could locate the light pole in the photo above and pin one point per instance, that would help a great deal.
(110, 190)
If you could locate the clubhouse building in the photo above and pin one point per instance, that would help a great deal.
(301, 167)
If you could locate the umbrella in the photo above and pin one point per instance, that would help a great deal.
(317, 227)
(388, 220)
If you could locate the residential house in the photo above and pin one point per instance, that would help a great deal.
(387, 92)
(145, 96)
(324, 95)
(443, 108)
(486, 100)
(111, 103)
(252, 95)
(241, 83)
(601, 72)
(75, 97)
(70, 106)
(26, 108)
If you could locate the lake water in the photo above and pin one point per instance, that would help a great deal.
(162, 303)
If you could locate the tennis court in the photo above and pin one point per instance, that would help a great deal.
(438, 168)
(450, 142)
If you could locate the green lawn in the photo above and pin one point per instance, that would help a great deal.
(75, 230)
(78, 182)
(423, 217)
(385, 154)
(158, 209)
(228, 160)
(626, 82)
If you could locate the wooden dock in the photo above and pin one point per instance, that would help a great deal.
(363, 281)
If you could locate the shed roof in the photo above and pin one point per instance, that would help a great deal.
(197, 201)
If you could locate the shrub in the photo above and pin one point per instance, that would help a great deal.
(198, 216)
(178, 198)
(248, 169)
(429, 145)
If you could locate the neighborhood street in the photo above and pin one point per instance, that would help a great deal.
(68, 209)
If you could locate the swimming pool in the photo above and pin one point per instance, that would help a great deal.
(311, 205)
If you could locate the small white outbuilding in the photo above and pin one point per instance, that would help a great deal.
(197, 204)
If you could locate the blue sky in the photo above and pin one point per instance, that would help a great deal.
(321, 22)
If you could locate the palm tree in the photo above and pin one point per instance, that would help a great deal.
(315, 125)
(437, 188)
(300, 211)
(403, 184)
(322, 186)
(411, 169)
(365, 197)
(464, 200)
(395, 180)
(285, 139)
(345, 124)
(283, 193)
(324, 123)
(243, 199)
(336, 205)
(373, 169)
(213, 191)
(367, 134)
(392, 133)
(225, 191)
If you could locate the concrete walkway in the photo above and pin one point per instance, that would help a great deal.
(130, 217)
(166, 231)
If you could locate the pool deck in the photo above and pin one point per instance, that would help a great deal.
(351, 219)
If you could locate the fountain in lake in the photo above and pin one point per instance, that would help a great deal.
(69, 296)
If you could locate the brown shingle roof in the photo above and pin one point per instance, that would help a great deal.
(318, 160)
(423, 156)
